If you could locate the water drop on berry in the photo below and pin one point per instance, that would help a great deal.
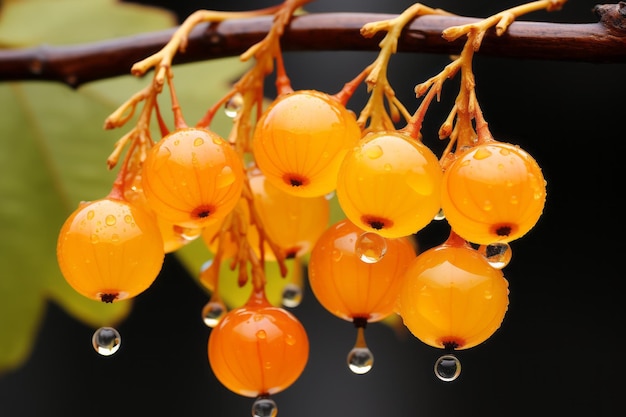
(440, 215)
(360, 358)
(497, 254)
(447, 368)
(188, 233)
(233, 105)
(264, 407)
(106, 341)
(292, 295)
(370, 247)
(213, 312)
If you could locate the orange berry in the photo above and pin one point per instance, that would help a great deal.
(258, 349)
(192, 177)
(300, 140)
(110, 250)
(349, 287)
(494, 192)
(452, 297)
(390, 184)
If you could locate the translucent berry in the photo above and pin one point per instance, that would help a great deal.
(300, 140)
(192, 177)
(110, 250)
(258, 349)
(390, 183)
(293, 223)
(349, 287)
(452, 297)
(174, 236)
(494, 192)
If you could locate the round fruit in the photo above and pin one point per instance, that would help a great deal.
(192, 177)
(390, 184)
(293, 223)
(300, 140)
(494, 192)
(110, 250)
(452, 297)
(258, 349)
(350, 286)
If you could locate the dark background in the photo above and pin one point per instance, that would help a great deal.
(558, 351)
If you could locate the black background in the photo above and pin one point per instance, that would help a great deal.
(558, 351)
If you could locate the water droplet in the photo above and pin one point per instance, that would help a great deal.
(226, 177)
(482, 153)
(292, 295)
(448, 368)
(290, 340)
(213, 312)
(188, 233)
(440, 215)
(264, 407)
(115, 237)
(370, 247)
(360, 358)
(487, 205)
(106, 341)
(497, 254)
(419, 183)
(233, 105)
(198, 142)
(373, 151)
(90, 214)
(128, 219)
(110, 220)
(95, 238)
(260, 334)
(329, 196)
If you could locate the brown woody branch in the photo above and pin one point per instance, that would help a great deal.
(600, 42)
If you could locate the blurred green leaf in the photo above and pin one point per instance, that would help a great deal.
(53, 153)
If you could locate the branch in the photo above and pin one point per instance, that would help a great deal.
(600, 42)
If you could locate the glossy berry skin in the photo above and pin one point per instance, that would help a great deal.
(347, 286)
(258, 349)
(110, 250)
(390, 183)
(452, 297)
(494, 192)
(300, 140)
(192, 177)
(293, 223)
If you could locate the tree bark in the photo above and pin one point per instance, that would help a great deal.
(600, 42)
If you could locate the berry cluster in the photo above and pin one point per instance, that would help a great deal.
(262, 195)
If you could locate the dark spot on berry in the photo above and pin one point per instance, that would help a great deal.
(202, 212)
(108, 298)
(295, 180)
(503, 230)
(452, 344)
(376, 223)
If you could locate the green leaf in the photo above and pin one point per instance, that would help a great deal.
(53, 152)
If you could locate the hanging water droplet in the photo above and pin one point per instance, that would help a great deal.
(440, 215)
(370, 247)
(213, 312)
(292, 295)
(497, 254)
(106, 341)
(360, 358)
(233, 105)
(188, 233)
(448, 368)
(264, 407)
(329, 196)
